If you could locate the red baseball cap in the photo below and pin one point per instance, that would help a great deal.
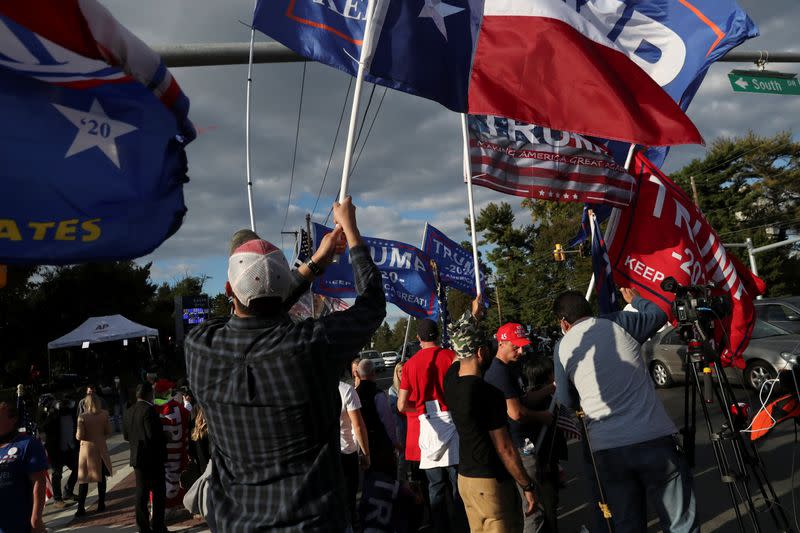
(513, 333)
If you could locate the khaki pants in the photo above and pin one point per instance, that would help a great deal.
(491, 505)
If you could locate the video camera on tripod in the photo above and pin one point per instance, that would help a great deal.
(695, 308)
(695, 303)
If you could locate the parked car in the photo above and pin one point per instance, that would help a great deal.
(375, 357)
(390, 359)
(781, 312)
(771, 349)
(411, 348)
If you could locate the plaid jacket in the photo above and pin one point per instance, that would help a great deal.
(269, 388)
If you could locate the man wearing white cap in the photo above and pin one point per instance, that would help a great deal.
(269, 387)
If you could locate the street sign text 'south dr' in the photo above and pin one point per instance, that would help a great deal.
(766, 82)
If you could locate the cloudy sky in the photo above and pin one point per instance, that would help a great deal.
(410, 171)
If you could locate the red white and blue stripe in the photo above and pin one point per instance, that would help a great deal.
(603, 276)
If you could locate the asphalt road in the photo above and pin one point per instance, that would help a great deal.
(714, 505)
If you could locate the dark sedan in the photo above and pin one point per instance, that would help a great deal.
(770, 350)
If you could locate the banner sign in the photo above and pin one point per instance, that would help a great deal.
(407, 275)
(93, 147)
(456, 267)
(175, 420)
(664, 234)
(537, 162)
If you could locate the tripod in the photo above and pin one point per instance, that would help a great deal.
(745, 464)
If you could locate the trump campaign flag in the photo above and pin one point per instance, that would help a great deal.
(601, 214)
(407, 275)
(537, 162)
(94, 136)
(601, 266)
(546, 62)
(664, 234)
(674, 41)
(456, 267)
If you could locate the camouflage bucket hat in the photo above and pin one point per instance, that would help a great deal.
(466, 337)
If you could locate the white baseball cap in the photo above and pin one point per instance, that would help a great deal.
(258, 269)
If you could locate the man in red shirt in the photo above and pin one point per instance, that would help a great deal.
(422, 392)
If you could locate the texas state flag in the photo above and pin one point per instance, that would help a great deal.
(546, 62)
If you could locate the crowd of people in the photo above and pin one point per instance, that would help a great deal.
(72, 437)
(293, 427)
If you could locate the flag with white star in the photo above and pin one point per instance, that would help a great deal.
(536, 162)
(94, 137)
(422, 47)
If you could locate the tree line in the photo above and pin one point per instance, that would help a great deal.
(747, 187)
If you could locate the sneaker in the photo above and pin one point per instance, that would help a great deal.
(69, 495)
(60, 504)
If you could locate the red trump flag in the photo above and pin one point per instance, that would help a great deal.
(664, 234)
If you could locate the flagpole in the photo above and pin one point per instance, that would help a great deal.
(592, 222)
(608, 236)
(405, 339)
(348, 150)
(471, 203)
(247, 124)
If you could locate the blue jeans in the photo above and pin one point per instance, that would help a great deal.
(654, 470)
(437, 486)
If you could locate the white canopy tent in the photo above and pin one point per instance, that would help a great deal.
(102, 329)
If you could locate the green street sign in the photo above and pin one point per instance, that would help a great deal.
(764, 81)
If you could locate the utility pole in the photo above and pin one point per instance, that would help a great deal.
(497, 295)
(694, 191)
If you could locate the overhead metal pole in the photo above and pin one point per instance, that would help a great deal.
(211, 54)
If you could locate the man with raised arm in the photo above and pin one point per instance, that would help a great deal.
(598, 363)
(270, 387)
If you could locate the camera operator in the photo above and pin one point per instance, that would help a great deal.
(269, 387)
(629, 432)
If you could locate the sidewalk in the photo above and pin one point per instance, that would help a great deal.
(120, 495)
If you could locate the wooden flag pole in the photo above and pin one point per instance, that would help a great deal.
(471, 203)
(592, 281)
(365, 51)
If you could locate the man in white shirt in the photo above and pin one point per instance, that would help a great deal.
(352, 441)
(598, 362)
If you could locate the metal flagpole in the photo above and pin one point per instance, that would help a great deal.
(405, 341)
(247, 124)
(365, 51)
(471, 203)
(611, 227)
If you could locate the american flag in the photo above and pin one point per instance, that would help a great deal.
(304, 249)
(536, 162)
(566, 422)
(601, 264)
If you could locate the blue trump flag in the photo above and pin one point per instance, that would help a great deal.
(407, 275)
(603, 276)
(456, 267)
(676, 42)
(601, 212)
(93, 151)
(421, 47)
